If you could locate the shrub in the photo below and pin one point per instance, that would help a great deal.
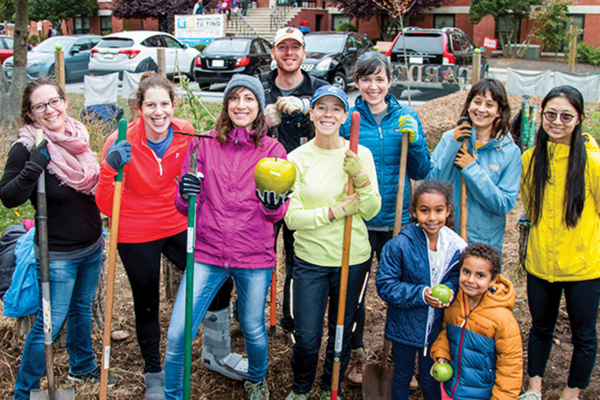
(346, 27)
(200, 47)
(587, 54)
(34, 39)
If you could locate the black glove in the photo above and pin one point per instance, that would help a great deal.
(268, 199)
(118, 154)
(463, 130)
(39, 154)
(189, 185)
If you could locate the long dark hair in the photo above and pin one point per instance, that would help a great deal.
(538, 172)
(496, 88)
(223, 124)
(434, 187)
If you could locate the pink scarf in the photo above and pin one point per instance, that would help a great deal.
(71, 159)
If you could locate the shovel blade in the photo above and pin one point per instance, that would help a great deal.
(59, 394)
(377, 381)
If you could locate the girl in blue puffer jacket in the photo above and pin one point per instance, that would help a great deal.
(423, 255)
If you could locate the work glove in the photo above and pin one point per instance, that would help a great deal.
(347, 206)
(463, 159)
(463, 130)
(355, 169)
(270, 201)
(39, 154)
(408, 125)
(290, 104)
(118, 154)
(272, 115)
(189, 185)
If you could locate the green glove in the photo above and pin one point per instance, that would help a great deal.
(407, 124)
(355, 169)
(347, 206)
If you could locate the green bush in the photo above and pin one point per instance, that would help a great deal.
(200, 47)
(34, 39)
(346, 27)
(587, 54)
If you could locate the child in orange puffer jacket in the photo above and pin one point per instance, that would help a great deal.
(480, 337)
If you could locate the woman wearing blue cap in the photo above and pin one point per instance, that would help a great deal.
(234, 229)
(317, 212)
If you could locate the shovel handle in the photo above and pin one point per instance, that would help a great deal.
(464, 203)
(110, 273)
(401, 183)
(339, 331)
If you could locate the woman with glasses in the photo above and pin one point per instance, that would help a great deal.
(75, 236)
(491, 167)
(561, 195)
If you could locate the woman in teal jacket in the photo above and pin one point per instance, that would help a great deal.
(380, 132)
(491, 168)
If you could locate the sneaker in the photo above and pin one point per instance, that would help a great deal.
(257, 391)
(92, 376)
(530, 395)
(155, 382)
(414, 383)
(294, 396)
(326, 395)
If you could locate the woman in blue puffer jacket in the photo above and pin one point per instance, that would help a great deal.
(381, 132)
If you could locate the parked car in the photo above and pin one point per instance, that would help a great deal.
(6, 47)
(331, 55)
(430, 53)
(136, 51)
(40, 60)
(225, 57)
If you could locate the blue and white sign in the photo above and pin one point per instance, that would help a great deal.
(199, 29)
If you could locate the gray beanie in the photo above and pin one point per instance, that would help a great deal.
(249, 82)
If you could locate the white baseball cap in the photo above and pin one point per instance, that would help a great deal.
(288, 32)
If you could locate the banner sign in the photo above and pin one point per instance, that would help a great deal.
(199, 29)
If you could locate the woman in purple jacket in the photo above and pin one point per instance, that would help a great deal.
(234, 229)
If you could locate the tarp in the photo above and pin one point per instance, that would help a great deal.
(100, 89)
(130, 83)
(539, 83)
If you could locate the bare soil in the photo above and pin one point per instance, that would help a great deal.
(126, 362)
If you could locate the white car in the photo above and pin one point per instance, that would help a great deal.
(135, 51)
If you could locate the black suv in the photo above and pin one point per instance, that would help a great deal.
(330, 55)
(437, 59)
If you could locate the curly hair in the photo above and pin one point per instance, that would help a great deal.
(434, 187)
(32, 87)
(486, 252)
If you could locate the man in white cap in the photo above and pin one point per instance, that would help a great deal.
(288, 91)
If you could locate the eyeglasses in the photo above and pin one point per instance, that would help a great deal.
(54, 102)
(551, 117)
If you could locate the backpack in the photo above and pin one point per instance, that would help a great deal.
(22, 297)
(8, 242)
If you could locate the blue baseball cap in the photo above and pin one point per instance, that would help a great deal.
(329, 90)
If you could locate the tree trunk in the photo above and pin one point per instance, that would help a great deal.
(11, 97)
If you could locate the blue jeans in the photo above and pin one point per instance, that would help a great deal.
(404, 368)
(314, 287)
(252, 286)
(72, 287)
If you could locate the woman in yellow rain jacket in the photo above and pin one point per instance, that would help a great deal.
(560, 188)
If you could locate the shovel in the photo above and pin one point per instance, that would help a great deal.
(42, 225)
(377, 376)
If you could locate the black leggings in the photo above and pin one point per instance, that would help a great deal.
(142, 264)
(582, 298)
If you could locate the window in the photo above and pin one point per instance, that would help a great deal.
(503, 27)
(266, 45)
(455, 43)
(105, 24)
(82, 45)
(443, 21)
(256, 48)
(153, 41)
(337, 19)
(579, 22)
(8, 43)
(171, 43)
(82, 25)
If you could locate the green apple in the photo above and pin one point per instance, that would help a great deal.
(442, 293)
(442, 372)
(58, 47)
(275, 174)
